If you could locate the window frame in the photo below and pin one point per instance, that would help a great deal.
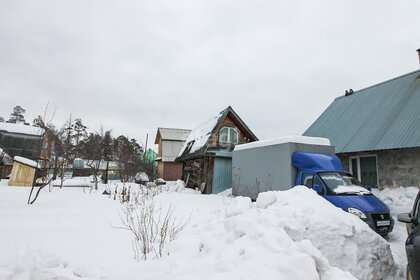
(314, 177)
(359, 173)
(229, 128)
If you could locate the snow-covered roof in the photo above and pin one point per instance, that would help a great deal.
(287, 139)
(200, 135)
(21, 128)
(175, 134)
(26, 161)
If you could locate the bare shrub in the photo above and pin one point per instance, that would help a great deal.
(152, 228)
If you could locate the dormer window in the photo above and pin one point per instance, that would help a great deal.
(229, 135)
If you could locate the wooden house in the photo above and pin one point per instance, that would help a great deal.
(207, 153)
(26, 141)
(170, 141)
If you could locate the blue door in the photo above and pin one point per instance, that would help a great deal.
(222, 176)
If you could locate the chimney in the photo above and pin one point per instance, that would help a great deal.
(418, 52)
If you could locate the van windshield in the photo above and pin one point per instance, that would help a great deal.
(341, 183)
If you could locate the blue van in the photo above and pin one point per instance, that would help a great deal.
(325, 174)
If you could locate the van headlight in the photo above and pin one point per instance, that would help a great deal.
(356, 212)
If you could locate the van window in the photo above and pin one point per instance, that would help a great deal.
(310, 179)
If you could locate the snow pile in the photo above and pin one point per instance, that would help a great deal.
(200, 135)
(141, 177)
(345, 240)
(399, 200)
(286, 139)
(26, 161)
(292, 234)
(177, 186)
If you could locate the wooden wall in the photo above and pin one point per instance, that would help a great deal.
(22, 175)
(229, 122)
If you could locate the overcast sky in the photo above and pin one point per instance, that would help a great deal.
(133, 66)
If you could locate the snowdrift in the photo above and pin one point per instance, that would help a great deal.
(292, 234)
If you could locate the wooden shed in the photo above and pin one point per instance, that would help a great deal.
(23, 172)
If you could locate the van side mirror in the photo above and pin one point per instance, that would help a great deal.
(405, 218)
(369, 188)
(316, 188)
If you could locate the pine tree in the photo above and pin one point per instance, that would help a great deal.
(80, 135)
(39, 122)
(17, 115)
(107, 145)
(1, 119)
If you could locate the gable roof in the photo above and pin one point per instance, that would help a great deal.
(174, 134)
(380, 117)
(200, 138)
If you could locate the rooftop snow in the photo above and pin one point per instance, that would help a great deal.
(173, 134)
(21, 128)
(26, 161)
(200, 135)
(287, 139)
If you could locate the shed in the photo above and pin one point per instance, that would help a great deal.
(170, 141)
(23, 172)
(207, 153)
(376, 131)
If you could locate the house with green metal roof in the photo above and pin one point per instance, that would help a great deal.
(376, 131)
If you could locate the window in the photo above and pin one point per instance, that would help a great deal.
(364, 168)
(229, 135)
(310, 179)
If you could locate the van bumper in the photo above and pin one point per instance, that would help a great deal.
(382, 222)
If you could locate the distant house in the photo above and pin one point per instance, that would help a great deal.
(83, 168)
(376, 131)
(25, 141)
(149, 157)
(170, 141)
(207, 153)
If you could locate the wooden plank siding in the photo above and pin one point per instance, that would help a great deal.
(22, 175)
(229, 122)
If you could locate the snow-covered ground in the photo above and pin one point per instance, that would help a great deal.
(399, 200)
(71, 233)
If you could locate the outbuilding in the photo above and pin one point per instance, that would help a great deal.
(23, 172)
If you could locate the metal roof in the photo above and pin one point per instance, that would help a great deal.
(175, 134)
(380, 117)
